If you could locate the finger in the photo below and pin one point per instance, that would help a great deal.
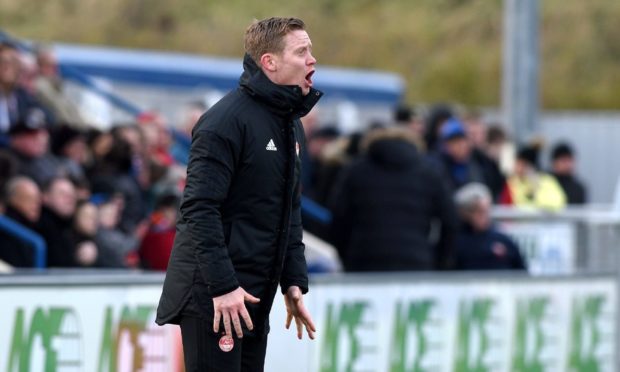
(308, 320)
(300, 327)
(216, 321)
(226, 317)
(310, 329)
(236, 324)
(249, 298)
(289, 318)
(246, 318)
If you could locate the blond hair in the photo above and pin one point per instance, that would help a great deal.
(267, 35)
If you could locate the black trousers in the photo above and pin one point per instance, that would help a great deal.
(202, 352)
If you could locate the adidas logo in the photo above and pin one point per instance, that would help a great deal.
(271, 146)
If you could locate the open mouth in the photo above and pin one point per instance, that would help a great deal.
(309, 78)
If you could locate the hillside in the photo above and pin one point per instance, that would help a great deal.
(447, 50)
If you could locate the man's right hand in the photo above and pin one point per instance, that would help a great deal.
(229, 307)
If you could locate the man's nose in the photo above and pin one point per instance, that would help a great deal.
(312, 60)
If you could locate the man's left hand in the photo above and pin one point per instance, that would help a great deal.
(295, 309)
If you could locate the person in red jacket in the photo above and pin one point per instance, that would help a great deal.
(157, 243)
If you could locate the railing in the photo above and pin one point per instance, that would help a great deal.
(38, 244)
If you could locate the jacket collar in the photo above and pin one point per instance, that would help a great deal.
(283, 100)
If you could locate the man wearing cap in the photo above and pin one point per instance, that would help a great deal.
(29, 142)
(239, 232)
(454, 156)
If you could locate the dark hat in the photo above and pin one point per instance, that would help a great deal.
(529, 154)
(562, 150)
(403, 114)
(452, 129)
(64, 135)
(34, 121)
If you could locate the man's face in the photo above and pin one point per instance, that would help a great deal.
(295, 64)
(31, 144)
(9, 67)
(479, 215)
(564, 165)
(27, 200)
(61, 198)
(458, 149)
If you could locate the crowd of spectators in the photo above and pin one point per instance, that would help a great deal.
(416, 193)
(96, 198)
(411, 194)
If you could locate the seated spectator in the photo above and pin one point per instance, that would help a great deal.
(84, 229)
(479, 245)
(59, 203)
(49, 89)
(529, 187)
(29, 142)
(15, 102)
(23, 206)
(182, 134)
(563, 169)
(157, 243)
(69, 147)
(454, 158)
(116, 248)
(383, 207)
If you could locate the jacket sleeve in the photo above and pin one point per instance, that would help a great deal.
(295, 271)
(209, 174)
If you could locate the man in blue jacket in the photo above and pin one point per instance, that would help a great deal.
(239, 233)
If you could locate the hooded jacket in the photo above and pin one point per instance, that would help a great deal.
(240, 217)
(383, 207)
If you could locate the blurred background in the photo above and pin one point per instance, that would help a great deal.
(458, 180)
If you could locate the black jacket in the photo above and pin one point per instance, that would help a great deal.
(383, 208)
(487, 250)
(56, 231)
(240, 218)
(575, 191)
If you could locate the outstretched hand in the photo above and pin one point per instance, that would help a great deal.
(295, 309)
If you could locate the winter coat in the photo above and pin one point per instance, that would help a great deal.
(383, 208)
(487, 250)
(240, 216)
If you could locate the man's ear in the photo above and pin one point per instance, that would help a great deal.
(269, 62)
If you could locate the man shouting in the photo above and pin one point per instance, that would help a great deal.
(239, 233)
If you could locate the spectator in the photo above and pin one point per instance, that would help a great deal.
(323, 168)
(15, 102)
(84, 229)
(406, 117)
(182, 135)
(454, 157)
(29, 142)
(116, 248)
(437, 117)
(8, 169)
(530, 187)
(117, 173)
(489, 166)
(479, 245)
(23, 202)
(59, 203)
(50, 90)
(23, 206)
(71, 151)
(157, 244)
(383, 207)
(563, 169)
